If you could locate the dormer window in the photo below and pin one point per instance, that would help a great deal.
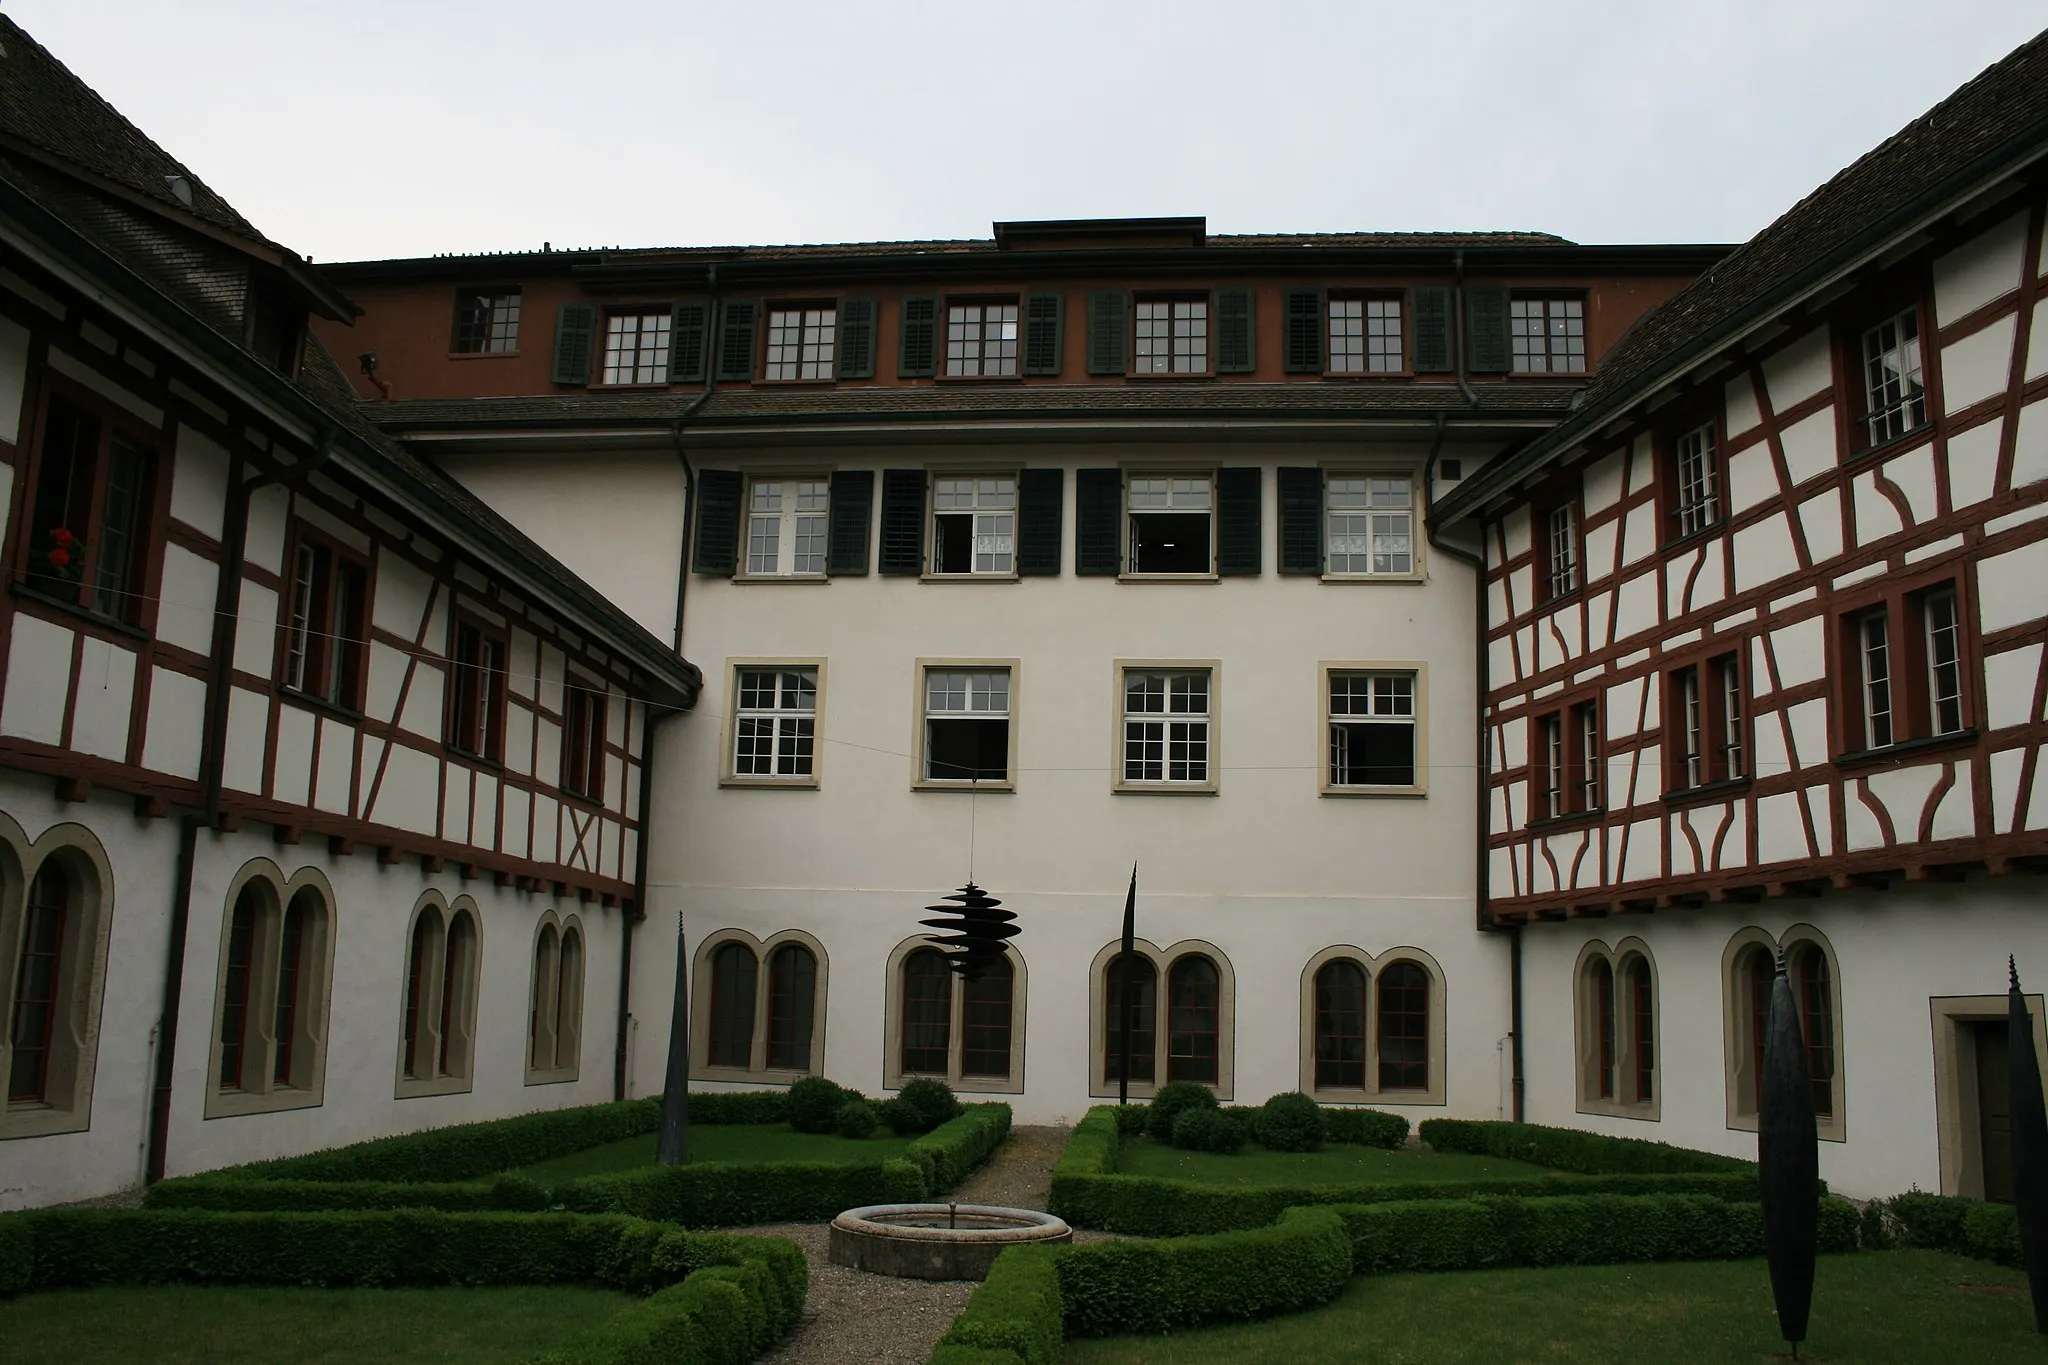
(1894, 390)
(487, 320)
(276, 322)
(636, 346)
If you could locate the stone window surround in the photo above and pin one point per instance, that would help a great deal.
(76, 1051)
(1101, 1027)
(562, 923)
(1373, 964)
(1420, 669)
(1959, 1141)
(757, 1070)
(462, 1080)
(920, 669)
(260, 1094)
(1738, 1048)
(729, 731)
(893, 1076)
(1586, 1037)
(1210, 786)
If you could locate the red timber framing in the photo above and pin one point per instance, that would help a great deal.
(370, 767)
(1940, 528)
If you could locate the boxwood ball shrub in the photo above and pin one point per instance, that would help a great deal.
(1130, 1119)
(814, 1104)
(1290, 1123)
(899, 1118)
(857, 1119)
(1173, 1097)
(932, 1101)
(1208, 1130)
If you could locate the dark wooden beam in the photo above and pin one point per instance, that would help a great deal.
(74, 788)
(340, 845)
(286, 834)
(151, 807)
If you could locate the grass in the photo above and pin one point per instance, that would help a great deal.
(174, 1325)
(752, 1142)
(1893, 1308)
(1335, 1164)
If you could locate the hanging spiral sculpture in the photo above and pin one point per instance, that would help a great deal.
(976, 926)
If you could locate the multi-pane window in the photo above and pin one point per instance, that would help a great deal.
(1193, 1008)
(801, 342)
(1562, 535)
(31, 1032)
(1894, 392)
(1371, 524)
(974, 525)
(1729, 733)
(583, 706)
(1874, 653)
(775, 722)
(981, 339)
(1166, 726)
(476, 705)
(1172, 336)
(1696, 502)
(1691, 748)
(1586, 718)
(1809, 972)
(440, 997)
(1547, 336)
(1365, 336)
(636, 348)
(1171, 520)
(792, 1007)
(234, 1011)
(787, 521)
(1144, 984)
(271, 1003)
(1707, 731)
(1340, 1025)
(734, 977)
(1552, 739)
(1403, 1025)
(1603, 1013)
(1617, 1030)
(1944, 662)
(1372, 730)
(86, 540)
(1643, 1032)
(487, 320)
(985, 1003)
(966, 725)
(927, 1013)
(325, 638)
(554, 1029)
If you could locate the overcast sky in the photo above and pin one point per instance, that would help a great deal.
(375, 129)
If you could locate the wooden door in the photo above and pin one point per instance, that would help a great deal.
(1994, 1107)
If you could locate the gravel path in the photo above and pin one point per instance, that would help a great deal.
(854, 1318)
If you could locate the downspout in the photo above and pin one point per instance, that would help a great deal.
(647, 754)
(1481, 865)
(226, 616)
(1458, 332)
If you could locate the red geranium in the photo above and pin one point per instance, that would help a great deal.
(61, 536)
(60, 558)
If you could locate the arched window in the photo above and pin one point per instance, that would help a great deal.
(1758, 971)
(540, 1023)
(458, 1000)
(985, 1027)
(1810, 984)
(241, 966)
(270, 1001)
(1616, 1030)
(295, 946)
(1192, 1023)
(420, 975)
(32, 1029)
(554, 1023)
(1603, 1022)
(927, 1013)
(1340, 1026)
(792, 998)
(1403, 1025)
(1642, 1015)
(1749, 967)
(1144, 1019)
(441, 981)
(733, 980)
(569, 1002)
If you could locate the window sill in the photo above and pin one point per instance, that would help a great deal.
(1706, 791)
(781, 578)
(71, 608)
(927, 784)
(1368, 376)
(313, 701)
(654, 386)
(978, 378)
(1433, 1096)
(483, 355)
(562, 1076)
(1545, 376)
(1890, 444)
(410, 1087)
(583, 801)
(825, 383)
(1828, 1130)
(1569, 820)
(1374, 578)
(791, 784)
(228, 1104)
(480, 760)
(1621, 1109)
(40, 1120)
(1397, 793)
(1165, 788)
(1905, 748)
(1692, 538)
(1170, 376)
(1558, 599)
(1211, 577)
(970, 578)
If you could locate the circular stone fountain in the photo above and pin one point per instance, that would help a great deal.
(937, 1241)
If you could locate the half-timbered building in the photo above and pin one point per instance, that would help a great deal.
(1765, 625)
(321, 786)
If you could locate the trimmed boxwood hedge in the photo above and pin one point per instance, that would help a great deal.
(950, 1151)
(1568, 1149)
(730, 1194)
(1015, 1316)
(224, 1190)
(1986, 1232)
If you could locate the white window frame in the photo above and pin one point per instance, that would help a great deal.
(1941, 619)
(1692, 729)
(1728, 682)
(1877, 679)
(993, 512)
(1415, 675)
(979, 346)
(1588, 715)
(793, 525)
(1179, 492)
(1696, 496)
(802, 344)
(1563, 541)
(922, 714)
(1892, 359)
(1170, 336)
(736, 714)
(1208, 719)
(1552, 737)
(1366, 523)
(637, 354)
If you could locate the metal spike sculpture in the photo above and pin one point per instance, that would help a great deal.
(977, 930)
(1788, 1163)
(2029, 1145)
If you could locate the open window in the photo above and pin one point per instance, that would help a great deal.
(966, 726)
(1172, 523)
(326, 636)
(476, 692)
(974, 525)
(87, 538)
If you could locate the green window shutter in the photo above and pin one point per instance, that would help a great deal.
(1235, 351)
(918, 352)
(1304, 331)
(856, 340)
(1238, 494)
(846, 535)
(1039, 493)
(1098, 521)
(1107, 331)
(902, 522)
(1432, 304)
(739, 320)
(575, 337)
(1043, 319)
(688, 332)
(1486, 328)
(1301, 521)
(718, 521)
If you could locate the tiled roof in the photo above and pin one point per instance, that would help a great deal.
(740, 407)
(1982, 128)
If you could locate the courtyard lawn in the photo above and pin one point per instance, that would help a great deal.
(174, 1325)
(1335, 1164)
(1879, 1308)
(750, 1142)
